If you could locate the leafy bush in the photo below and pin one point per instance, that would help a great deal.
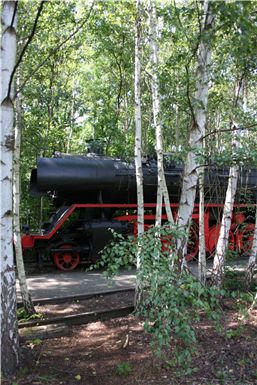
(172, 300)
(234, 281)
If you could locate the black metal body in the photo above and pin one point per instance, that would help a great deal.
(99, 179)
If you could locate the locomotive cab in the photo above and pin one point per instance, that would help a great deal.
(74, 235)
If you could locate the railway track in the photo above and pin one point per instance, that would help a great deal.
(84, 317)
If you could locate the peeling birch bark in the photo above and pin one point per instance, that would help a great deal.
(158, 214)
(10, 355)
(202, 251)
(162, 190)
(138, 147)
(222, 245)
(197, 131)
(138, 139)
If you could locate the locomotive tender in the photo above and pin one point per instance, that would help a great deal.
(93, 193)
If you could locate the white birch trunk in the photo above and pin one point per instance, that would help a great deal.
(252, 259)
(138, 147)
(202, 251)
(158, 213)
(162, 186)
(26, 298)
(253, 303)
(190, 179)
(9, 332)
(222, 245)
(138, 138)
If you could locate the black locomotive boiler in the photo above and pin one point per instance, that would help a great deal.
(94, 193)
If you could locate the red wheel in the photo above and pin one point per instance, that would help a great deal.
(67, 259)
(244, 239)
(214, 236)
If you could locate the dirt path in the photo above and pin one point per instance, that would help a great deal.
(118, 352)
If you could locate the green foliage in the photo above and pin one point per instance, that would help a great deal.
(234, 333)
(171, 307)
(23, 316)
(234, 282)
(172, 300)
(123, 369)
(121, 252)
(85, 89)
(243, 301)
(36, 342)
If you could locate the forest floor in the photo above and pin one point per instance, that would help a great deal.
(118, 352)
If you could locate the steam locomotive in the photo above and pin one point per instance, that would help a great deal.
(94, 193)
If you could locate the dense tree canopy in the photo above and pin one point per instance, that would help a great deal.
(76, 78)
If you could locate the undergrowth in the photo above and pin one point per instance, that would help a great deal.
(23, 316)
(172, 301)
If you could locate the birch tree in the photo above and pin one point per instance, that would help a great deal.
(26, 297)
(222, 244)
(162, 191)
(10, 355)
(138, 145)
(202, 251)
(197, 131)
(219, 258)
(252, 259)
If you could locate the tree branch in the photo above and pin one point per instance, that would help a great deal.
(25, 46)
(54, 50)
(231, 129)
(14, 12)
(188, 94)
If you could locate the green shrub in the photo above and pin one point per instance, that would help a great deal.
(172, 300)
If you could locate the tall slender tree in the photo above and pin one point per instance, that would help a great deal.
(223, 240)
(202, 251)
(10, 355)
(219, 258)
(197, 131)
(162, 191)
(26, 297)
(138, 145)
